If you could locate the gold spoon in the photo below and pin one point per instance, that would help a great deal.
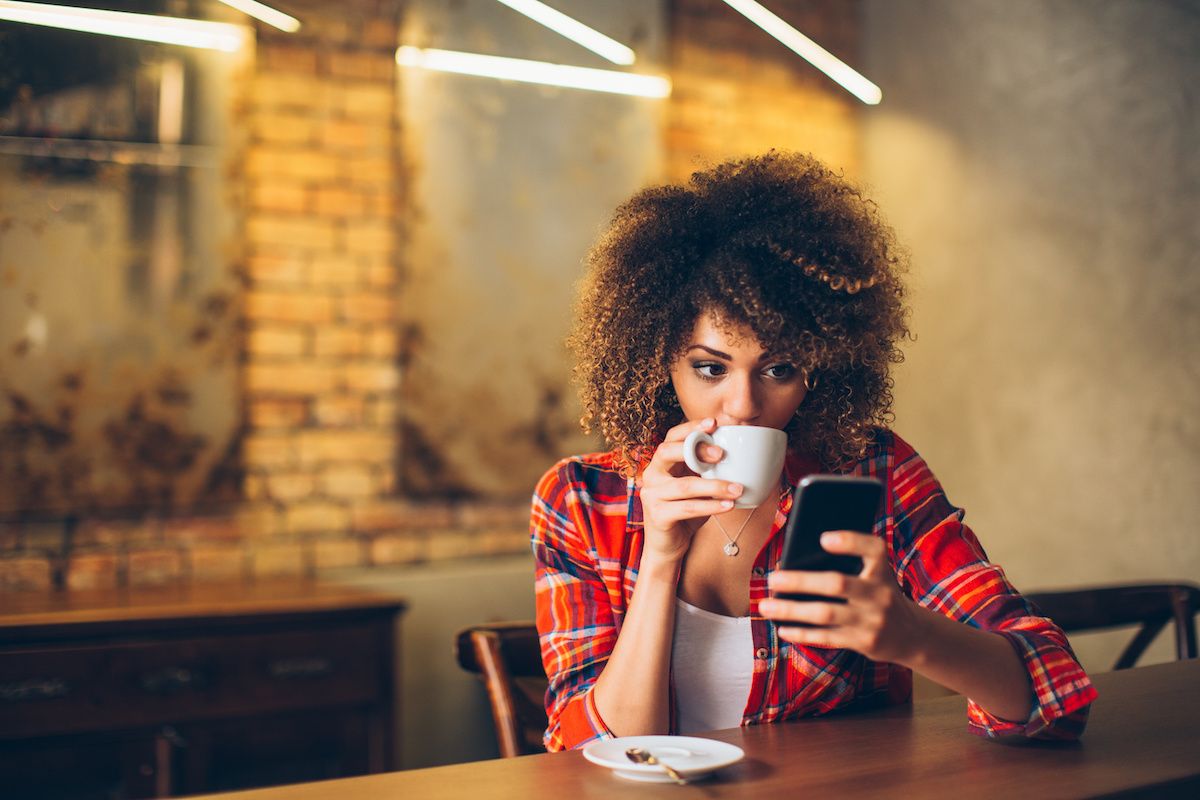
(640, 756)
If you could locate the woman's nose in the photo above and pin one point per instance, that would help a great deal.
(741, 403)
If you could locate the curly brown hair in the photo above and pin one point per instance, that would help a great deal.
(777, 244)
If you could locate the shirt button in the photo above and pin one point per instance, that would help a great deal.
(761, 654)
(758, 572)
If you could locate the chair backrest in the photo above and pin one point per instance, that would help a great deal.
(507, 658)
(1151, 606)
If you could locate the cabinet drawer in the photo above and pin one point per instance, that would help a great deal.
(42, 690)
(57, 690)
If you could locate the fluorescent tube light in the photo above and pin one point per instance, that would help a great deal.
(810, 51)
(148, 27)
(573, 29)
(265, 14)
(519, 69)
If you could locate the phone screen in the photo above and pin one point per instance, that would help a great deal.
(828, 503)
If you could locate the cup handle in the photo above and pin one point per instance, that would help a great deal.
(694, 439)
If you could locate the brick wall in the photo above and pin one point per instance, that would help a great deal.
(320, 306)
(737, 91)
(323, 190)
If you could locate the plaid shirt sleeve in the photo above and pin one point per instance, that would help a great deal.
(575, 619)
(943, 567)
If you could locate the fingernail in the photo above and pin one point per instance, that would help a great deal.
(766, 606)
(708, 421)
(829, 538)
(736, 489)
(726, 504)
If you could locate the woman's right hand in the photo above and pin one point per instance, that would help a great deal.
(672, 494)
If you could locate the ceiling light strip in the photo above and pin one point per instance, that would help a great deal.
(850, 79)
(573, 29)
(519, 69)
(147, 27)
(265, 13)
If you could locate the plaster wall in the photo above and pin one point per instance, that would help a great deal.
(510, 184)
(444, 713)
(118, 335)
(1039, 161)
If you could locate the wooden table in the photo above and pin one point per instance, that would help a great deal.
(1143, 741)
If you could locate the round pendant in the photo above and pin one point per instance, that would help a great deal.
(731, 549)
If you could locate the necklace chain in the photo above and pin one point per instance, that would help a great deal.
(731, 546)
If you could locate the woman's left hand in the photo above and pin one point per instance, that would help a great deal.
(876, 619)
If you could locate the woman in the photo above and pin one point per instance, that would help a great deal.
(766, 292)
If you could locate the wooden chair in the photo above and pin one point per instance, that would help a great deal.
(1151, 606)
(507, 658)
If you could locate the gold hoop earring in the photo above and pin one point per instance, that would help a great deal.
(810, 381)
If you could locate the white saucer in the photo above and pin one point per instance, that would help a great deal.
(690, 756)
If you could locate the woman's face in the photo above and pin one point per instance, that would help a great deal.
(728, 376)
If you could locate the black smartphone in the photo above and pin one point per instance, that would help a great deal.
(827, 503)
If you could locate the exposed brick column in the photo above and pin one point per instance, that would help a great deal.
(320, 374)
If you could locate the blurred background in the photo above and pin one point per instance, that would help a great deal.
(285, 306)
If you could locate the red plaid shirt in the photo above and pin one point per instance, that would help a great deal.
(587, 542)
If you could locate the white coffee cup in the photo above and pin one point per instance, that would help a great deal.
(753, 458)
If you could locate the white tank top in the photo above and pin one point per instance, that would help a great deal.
(712, 663)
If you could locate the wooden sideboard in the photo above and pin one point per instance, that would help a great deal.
(174, 691)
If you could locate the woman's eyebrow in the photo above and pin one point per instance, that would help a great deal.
(716, 353)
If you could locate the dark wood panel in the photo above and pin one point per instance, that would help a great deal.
(80, 768)
(271, 751)
(70, 689)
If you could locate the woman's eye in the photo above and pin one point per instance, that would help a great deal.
(709, 369)
(780, 372)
